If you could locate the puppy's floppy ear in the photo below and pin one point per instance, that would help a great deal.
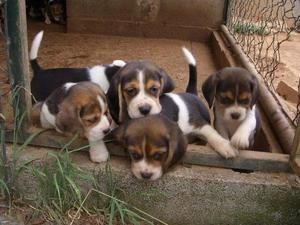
(113, 97)
(122, 106)
(209, 88)
(254, 85)
(177, 146)
(168, 84)
(68, 119)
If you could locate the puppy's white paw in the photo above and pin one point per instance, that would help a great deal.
(98, 154)
(227, 150)
(240, 140)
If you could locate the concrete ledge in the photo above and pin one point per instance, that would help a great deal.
(138, 29)
(198, 194)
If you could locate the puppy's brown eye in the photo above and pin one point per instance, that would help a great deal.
(136, 156)
(92, 120)
(226, 100)
(244, 101)
(154, 90)
(157, 156)
(131, 91)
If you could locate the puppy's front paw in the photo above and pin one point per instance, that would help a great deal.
(47, 20)
(240, 140)
(227, 150)
(98, 154)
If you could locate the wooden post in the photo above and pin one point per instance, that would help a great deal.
(295, 154)
(17, 53)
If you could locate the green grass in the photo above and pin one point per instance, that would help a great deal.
(58, 186)
(11, 168)
(59, 192)
(250, 29)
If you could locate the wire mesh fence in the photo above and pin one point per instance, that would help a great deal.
(261, 27)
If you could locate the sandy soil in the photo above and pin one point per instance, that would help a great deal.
(84, 50)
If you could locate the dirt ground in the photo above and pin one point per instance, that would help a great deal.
(60, 49)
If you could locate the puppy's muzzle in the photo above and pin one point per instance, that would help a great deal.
(146, 175)
(145, 109)
(235, 116)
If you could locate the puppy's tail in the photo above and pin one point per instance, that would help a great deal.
(34, 51)
(119, 63)
(192, 84)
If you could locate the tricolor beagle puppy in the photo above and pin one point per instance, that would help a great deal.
(154, 144)
(45, 81)
(138, 90)
(77, 108)
(233, 93)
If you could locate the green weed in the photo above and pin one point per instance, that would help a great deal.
(250, 29)
(11, 168)
(58, 186)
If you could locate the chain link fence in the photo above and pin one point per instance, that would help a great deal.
(261, 28)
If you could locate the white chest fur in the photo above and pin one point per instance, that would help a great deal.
(47, 119)
(239, 132)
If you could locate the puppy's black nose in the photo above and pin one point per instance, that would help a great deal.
(145, 109)
(106, 131)
(235, 116)
(146, 175)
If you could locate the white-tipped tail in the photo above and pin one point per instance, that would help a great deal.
(119, 63)
(36, 45)
(189, 56)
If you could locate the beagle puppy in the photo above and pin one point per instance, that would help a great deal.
(78, 108)
(137, 90)
(154, 143)
(45, 81)
(233, 92)
(138, 85)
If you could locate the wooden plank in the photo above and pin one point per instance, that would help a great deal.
(247, 160)
(295, 154)
(18, 63)
(296, 143)
(274, 145)
(295, 164)
(52, 139)
(196, 154)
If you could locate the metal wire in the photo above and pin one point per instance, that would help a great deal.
(260, 27)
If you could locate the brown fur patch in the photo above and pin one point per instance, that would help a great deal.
(227, 94)
(151, 83)
(132, 84)
(245, 95)
(35, 114)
